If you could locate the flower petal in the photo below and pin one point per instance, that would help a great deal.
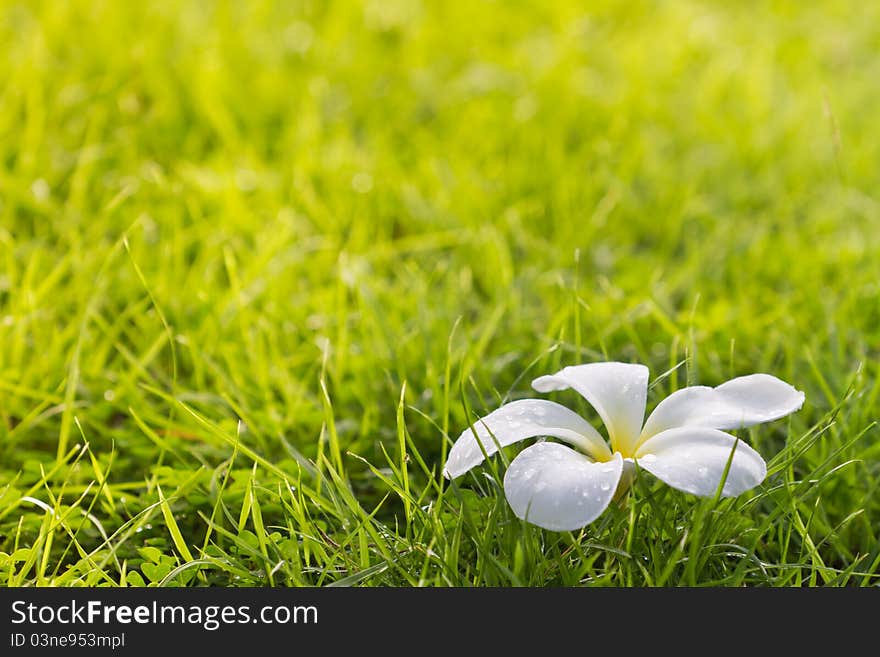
(517, 421)
(736, 404)
(557, 488)
(693, 459)
(616, 390)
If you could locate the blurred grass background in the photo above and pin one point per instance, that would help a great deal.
(233, 201)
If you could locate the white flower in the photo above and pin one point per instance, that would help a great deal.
(681, 443)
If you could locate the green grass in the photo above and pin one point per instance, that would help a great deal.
(260, 262)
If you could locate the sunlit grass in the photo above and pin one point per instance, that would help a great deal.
(261, 262)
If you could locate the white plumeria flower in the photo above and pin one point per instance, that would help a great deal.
(681, 443)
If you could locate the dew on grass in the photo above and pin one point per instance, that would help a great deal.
(298, 37)
(524, 109)
(41, 190)
(246, 180)
(362, 182)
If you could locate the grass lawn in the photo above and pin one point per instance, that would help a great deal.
(262, 262)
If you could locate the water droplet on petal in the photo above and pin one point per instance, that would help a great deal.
(605, 486)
